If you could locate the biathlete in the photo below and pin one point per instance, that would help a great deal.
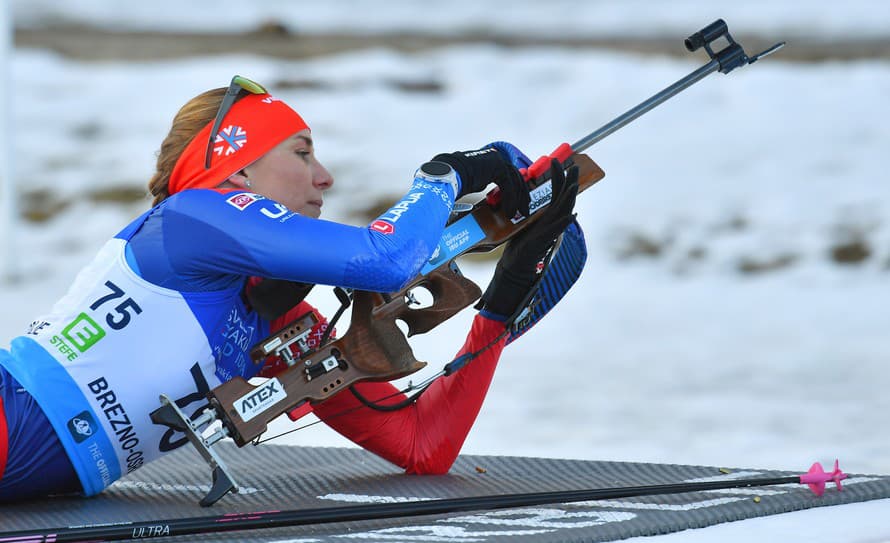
(166, 304)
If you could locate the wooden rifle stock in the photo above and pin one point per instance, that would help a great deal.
(374, 348)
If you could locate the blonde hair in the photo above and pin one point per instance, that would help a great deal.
(189, 120)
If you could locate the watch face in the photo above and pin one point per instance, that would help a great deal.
(436, 169)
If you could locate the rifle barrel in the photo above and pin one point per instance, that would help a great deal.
(640, 109)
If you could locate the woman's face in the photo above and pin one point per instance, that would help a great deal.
(291, 175)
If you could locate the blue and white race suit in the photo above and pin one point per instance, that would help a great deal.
(160, 310)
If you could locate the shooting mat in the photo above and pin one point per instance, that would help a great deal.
(275, 477)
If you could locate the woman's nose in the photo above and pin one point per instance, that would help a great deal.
(322, 177)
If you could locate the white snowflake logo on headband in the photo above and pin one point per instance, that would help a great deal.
(229, 140)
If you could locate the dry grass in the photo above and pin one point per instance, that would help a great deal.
(275, 39)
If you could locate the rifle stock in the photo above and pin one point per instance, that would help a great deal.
(374, 348)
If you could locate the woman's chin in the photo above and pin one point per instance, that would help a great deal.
(310, 210)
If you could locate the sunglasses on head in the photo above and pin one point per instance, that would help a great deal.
(236, 86)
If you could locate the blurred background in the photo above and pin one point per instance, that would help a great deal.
(734, 310)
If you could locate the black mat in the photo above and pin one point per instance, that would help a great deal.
(284, 478)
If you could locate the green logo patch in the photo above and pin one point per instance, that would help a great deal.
(83, 332)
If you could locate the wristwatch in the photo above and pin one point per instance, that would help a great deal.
(439, 172)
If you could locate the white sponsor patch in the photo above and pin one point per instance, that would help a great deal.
(260, 399)
(242, 200)
(539, 197)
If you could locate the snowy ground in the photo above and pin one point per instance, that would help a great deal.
(667, 350)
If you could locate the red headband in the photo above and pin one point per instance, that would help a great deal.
(252, 127)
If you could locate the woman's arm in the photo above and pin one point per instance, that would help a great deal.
(200, 240)
(426, 436)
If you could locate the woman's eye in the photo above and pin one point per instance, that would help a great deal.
(304, 154)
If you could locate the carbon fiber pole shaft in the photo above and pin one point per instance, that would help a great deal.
(154, 529)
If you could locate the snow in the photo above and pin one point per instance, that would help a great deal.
(862, 522)
(674, 358)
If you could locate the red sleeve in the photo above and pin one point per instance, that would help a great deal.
(426, 436)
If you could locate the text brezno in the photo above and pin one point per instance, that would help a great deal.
(128, 440)
(261, 398)
(396, 211)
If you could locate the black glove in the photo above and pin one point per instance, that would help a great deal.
(477, 169)
(522, 263)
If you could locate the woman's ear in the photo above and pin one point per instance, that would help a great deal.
(239, 180)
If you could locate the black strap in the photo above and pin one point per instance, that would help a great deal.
(272, 298)
(391, 407)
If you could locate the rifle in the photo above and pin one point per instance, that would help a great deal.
(374, 348)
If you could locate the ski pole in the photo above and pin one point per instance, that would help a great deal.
(724, 60)
(816, 478)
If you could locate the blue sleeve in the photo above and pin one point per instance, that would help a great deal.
(206, 239)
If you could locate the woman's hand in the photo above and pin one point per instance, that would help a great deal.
(520, 266)
(495, 163)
